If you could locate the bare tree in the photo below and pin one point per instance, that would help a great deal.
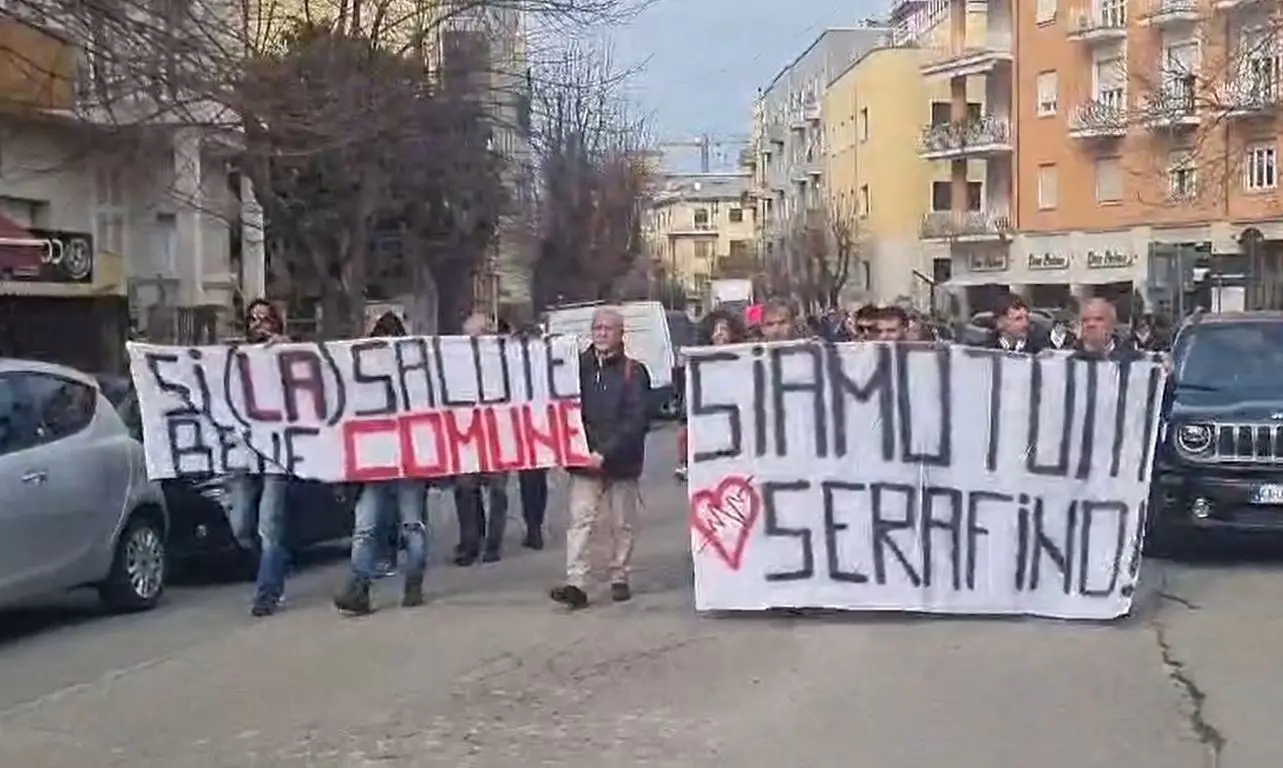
(361, 122)
(594, 177)
(821, 251)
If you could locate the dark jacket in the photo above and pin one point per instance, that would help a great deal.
(1121, 351)
(1032, 344)
(613, 405)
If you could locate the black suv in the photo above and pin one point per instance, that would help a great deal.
(1219, 462)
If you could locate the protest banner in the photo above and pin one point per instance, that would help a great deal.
(360, 410)
(918, 477)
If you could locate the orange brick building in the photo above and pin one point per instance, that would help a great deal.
(1147, 150)
(1143, 155)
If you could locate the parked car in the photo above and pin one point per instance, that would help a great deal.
(1218, 464)
(76, 508)
(199, 532)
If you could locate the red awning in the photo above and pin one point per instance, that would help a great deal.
(20, 251)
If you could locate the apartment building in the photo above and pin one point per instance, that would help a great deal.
(969, 69)
(1148, 151)
(789, 132)
(99, 221)
(701, 227)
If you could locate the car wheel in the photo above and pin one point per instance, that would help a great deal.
(138, 571)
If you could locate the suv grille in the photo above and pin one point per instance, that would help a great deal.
(1257, 443)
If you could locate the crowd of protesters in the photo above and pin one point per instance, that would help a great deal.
(392, 516)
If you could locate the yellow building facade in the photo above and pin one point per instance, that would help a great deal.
(878, 181)
(701, 227)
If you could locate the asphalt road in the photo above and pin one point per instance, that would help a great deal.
(489, 674)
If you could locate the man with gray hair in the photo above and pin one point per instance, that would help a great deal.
(1096, 337)
(612, 390)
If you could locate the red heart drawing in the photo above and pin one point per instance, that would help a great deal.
(724, 517)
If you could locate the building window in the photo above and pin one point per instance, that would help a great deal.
(941, 195)
(975, 195)
(109, 218)
(1261, 167)
(1046, 11)
(735, 215)
(1048, 93)
(1110, 76)
(866, 204)
(940, 113)
(864, 124)
(1182, 176)
(1109, 180)
(1047, 186)
(703, 250)
(701, 218)
(975, 110)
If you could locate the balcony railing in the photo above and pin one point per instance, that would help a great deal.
(1162, 13)
(1253, 93)
(986, 134)
(1100, 22)
(1173, 104)
(938, 225)
(1103, 116)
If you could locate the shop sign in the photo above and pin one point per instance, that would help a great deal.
(987, 262)
(1042, 261)
(1109, 259)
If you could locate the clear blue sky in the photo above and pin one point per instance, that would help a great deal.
(707, 58)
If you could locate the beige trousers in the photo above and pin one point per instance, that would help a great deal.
(591, 498)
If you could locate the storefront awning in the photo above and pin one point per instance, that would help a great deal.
(20, 251)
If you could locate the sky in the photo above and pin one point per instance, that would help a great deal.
(705, 59)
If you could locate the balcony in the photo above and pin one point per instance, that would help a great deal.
(1235, 5)
(970, 60)
(965, 225)
(695, 229)
(987, 136)
(1171, 106)
(1104, 117)
(812, 110)
(1170, 13)
(1252, 95)
(1101, 23)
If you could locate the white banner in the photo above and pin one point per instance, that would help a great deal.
(360, 410)
(918, 478)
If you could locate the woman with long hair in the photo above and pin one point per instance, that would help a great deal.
(716, 328)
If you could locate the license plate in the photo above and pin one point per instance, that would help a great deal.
(1268, 494)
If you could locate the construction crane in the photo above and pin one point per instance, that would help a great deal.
(707, 144)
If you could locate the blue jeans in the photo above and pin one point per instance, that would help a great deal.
(258, 509)
(402, 500)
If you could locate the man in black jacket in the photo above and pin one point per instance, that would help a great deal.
(612, 390)
(1011, 327)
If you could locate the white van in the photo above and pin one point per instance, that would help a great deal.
(647, 339)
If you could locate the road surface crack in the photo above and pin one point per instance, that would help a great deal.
(1179, 673)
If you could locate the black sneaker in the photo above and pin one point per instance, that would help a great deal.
(571, 597)
(412, 597)
(491, 556)
(464, 559)
(354, 599)
(533, 540)
(620, 593)
(264, 605)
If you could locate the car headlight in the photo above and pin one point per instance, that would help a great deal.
(1193, 438)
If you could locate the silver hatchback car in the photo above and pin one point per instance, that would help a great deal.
(76, 508)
